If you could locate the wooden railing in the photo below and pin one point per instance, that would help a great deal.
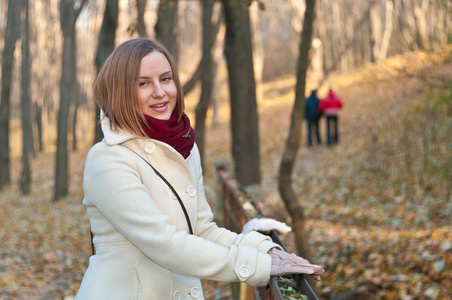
(236, 207)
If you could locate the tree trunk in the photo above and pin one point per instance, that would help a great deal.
(106, 45)
(166, 26)
(191, 83)
(74, 119)
(207, 73)
(293, 140)
(375, 32)
(258, 49)
(68, 18)
(141, 26)
(362, 21)
(407, 22)
(389, 14)
(379, 35)
(242, 90)
(75, 91)
(27, 129)
(38, 110)
(420, 14)
(11, 36)
(217, 57)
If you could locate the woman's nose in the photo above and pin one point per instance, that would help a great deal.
(158, 91)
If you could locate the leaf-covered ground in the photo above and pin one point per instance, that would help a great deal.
(378, 205)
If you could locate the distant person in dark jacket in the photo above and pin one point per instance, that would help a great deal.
(312, 115)
(330, 107)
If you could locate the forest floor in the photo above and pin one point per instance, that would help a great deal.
(378, 205)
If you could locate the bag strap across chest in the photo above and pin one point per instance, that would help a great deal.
(171, 188)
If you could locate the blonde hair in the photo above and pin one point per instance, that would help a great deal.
(116, 86)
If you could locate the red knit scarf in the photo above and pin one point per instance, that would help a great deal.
(179, 135)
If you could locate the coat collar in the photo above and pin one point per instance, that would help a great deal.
(112, 135)
(117, 136)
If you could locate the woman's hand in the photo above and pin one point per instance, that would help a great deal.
(284, 263)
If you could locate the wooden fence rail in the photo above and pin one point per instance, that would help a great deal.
(236, 208)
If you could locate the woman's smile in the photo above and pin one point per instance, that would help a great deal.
(157, 90)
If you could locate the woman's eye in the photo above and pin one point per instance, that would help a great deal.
(166, 78)
(142, 83)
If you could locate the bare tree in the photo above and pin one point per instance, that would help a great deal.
(258, 48)
(44, 28)
(288, 195)
(209, 31)
(380, 35)
(166, 26)
(333, 64)
(420, 13)
(141, 26)
(106, 45)
(11, 35)
(69, 12)
(195, 77)
(27, 129)
(242, 92)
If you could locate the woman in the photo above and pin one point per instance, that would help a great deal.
(156, 239)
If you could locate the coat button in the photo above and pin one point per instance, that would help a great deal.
(149, 147)
(244, 272)
(195, 292)
(177, 295)
(191, 191)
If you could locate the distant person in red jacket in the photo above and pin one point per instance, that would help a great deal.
(330, 107)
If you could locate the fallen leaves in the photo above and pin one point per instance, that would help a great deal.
(379, 218)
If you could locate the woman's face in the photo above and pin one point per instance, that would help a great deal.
(157, 91)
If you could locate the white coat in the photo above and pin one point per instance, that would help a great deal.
(143, 247)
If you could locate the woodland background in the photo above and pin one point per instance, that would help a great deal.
(377, 206)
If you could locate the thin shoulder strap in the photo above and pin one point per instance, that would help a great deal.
(93, 250)
(171, 188)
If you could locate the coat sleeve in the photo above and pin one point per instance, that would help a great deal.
(113, 185)
(206, 228)
(209, 230)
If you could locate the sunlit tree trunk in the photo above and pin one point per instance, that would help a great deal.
(380, 34)
(166, 27)
(75, 92)
(38, 112)
(242, 91)
(364, 19)
(298, 9)
(407, 22)
(27, 130)
(44, 27)
(11, 36)
(218, 55)
(68, 17)
(75, 105)
(420, 13)
(106, 45)
(258, 49)
(389, 16)
(375, 31)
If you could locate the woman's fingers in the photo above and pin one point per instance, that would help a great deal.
(284, 263)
